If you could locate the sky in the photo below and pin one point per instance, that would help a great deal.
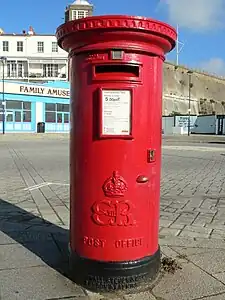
(201, 23)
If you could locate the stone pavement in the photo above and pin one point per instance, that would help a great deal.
(34, 219)
(194, 138)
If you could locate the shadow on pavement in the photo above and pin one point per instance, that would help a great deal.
(46, 240)
(217, 142)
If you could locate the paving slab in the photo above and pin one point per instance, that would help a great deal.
(189, 251)
(220, 276)
(29, 255)
(211, 261)
(187, 284)
(13, 237)
(5, 239)
(71, 298)
(34, 220)
(142, 296)
(95, 296)
(215, 297)
(37, 283)
(192, 242)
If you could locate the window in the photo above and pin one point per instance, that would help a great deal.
(9, 116)
(26, 116)
(1, 110)
(66, 118)
(50, 112)
(19, 46)
(27, 105)
(5, 46)
(74, 14)
(50, 70)
(18, 111)
(20, 69)
(11, 68)
(50, 106)
(54, 47)
(79, 14)
(59, 117)
(40, 47)
(13, 104)
(50, 117)
(18, 116)
(26, 112)
(15, 69)
(57, 112)
(63, 107)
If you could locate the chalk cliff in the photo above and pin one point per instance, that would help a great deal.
(207, 91)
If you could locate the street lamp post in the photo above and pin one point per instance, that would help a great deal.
(3, 61)
(189, 101)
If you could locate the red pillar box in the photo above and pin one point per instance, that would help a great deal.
(115, 149)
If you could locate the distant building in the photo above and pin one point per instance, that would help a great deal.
(78, 9)
(32, 57)
(34, 87)
(26, 105)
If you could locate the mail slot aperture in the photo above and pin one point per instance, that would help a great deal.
(117, 71)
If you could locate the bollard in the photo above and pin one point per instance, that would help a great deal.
(116, 65)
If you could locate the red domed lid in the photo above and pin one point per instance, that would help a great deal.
(114, 23)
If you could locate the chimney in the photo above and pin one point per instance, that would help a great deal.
(31, 31)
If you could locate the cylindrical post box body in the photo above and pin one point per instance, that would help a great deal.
(116, 65)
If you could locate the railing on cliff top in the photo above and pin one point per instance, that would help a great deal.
(198, 71)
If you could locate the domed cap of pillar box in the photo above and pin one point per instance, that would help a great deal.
(115, 31)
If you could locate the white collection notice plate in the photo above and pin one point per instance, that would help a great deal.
(116, 112)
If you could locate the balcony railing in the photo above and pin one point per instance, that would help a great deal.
(34, 76)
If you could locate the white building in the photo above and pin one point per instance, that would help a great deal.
(78, 9)
(33, 57)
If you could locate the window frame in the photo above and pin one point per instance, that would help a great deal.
(50, 70)
(55, 47)
(5, 46)
(25, 112)
(76, 14)
(11, 68)
(15, 110)
(57, 112)
(40, 47)
(19, 46)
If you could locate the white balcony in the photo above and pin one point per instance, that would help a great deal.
(36, 77)
(34, 71)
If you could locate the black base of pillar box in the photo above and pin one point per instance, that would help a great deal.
(112, 276)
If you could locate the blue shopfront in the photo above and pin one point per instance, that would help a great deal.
(23, 106)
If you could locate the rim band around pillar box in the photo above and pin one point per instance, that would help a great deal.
(116, 65)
